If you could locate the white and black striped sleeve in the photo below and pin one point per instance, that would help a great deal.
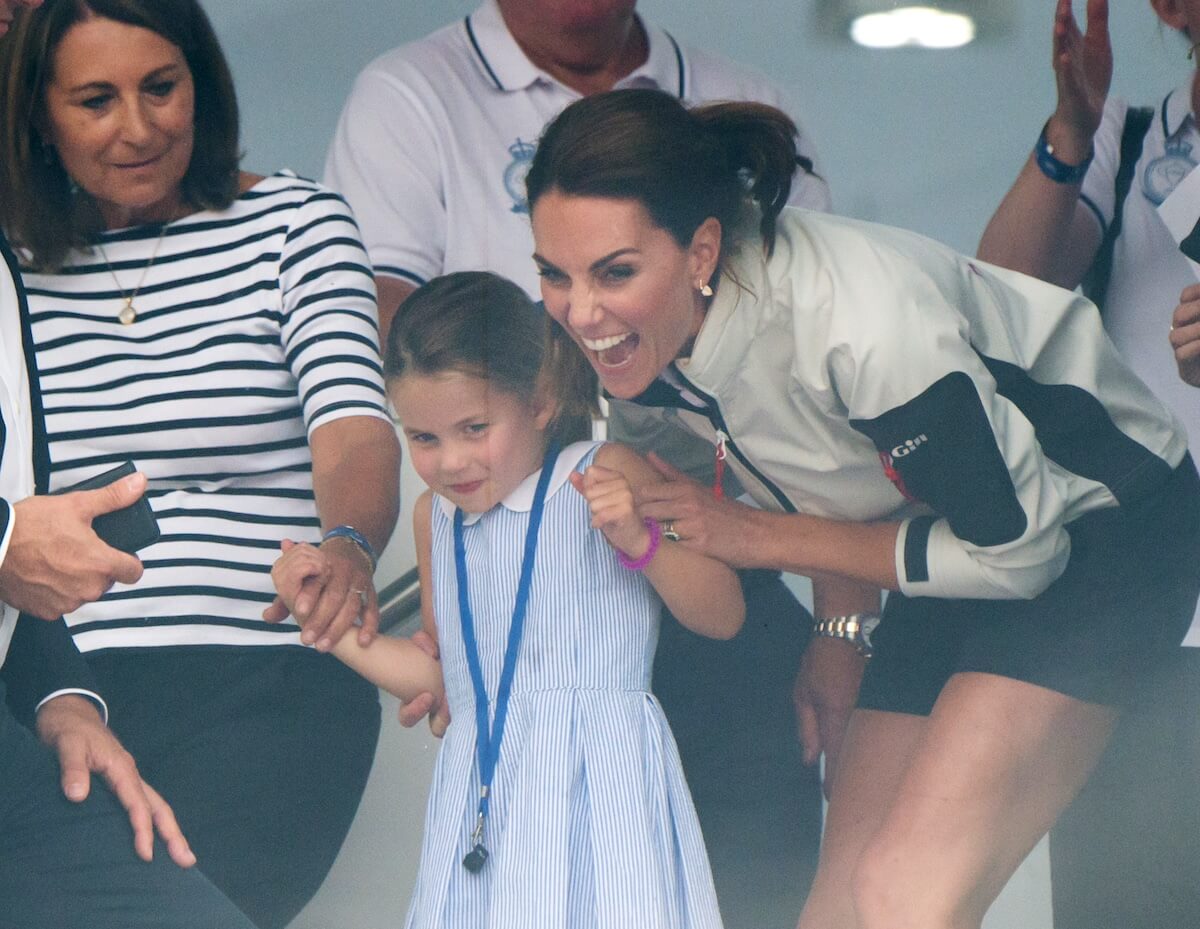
(330, 327)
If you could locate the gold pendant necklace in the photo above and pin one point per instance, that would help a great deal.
(128, 313)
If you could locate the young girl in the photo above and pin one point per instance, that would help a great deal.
(558, 797)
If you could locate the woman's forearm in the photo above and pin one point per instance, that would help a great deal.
(863, 553)
(356, 476)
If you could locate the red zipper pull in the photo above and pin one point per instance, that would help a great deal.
(719, 467)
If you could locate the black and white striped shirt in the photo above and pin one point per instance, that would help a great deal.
(255, 326)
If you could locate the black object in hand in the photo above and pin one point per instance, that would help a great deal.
(127, 529)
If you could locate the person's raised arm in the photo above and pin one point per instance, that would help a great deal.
(701, 592)
(1041, 227)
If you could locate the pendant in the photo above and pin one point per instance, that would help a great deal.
(475, 859)
(128, 314)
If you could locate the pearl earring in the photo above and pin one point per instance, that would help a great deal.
(705, 290)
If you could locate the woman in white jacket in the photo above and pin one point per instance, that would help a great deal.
(906, 419)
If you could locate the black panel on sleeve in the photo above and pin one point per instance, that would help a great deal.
(1074, 429)
(916, 544)
(942, 446)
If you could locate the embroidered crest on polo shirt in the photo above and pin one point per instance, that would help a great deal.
(514, 174)
(1163, 174)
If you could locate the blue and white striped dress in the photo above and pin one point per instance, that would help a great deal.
(591, 823)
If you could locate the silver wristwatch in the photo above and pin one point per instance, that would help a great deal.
(855, 629)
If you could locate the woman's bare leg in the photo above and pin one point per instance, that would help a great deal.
(875, 755)
(935, 815)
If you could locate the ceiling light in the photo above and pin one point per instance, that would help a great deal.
(922, 26)
(930, 24)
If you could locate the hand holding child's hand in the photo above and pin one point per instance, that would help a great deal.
(610, 499)
(325, 591)
(300, 562)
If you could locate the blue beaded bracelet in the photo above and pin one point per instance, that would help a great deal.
(1058, 171)
(349, 532)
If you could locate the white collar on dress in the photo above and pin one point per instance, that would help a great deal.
(508, 68)
(520, 500)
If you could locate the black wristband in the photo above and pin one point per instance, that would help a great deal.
(1058, 171)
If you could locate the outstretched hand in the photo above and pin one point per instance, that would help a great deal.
(1185, 335)
(71, 726)
(1083, 66)
(55, 561)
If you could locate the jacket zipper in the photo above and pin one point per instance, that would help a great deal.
(725, 440)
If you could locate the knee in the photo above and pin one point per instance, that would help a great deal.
(889, 893)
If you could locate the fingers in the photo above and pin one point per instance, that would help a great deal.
(114, 496)
(343, 593)
(415, 710)
(299, 575)
(126, 568)
(440, 720)
(810, 732)
(76, 775)
(122, 567)
(426, 643)
(122, 776)
(168, 828)
(277, 612)
(370, 617)
(345, 610)
(1188, 311)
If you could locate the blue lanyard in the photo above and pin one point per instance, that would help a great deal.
(488, 738)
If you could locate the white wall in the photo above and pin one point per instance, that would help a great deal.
(929, 141)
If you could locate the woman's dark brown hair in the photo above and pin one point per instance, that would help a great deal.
(683, 165)
(483, 325)
(39, 209)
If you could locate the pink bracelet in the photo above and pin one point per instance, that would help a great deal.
(638, 564)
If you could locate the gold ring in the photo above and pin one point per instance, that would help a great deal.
(669, 532)
(362, 595)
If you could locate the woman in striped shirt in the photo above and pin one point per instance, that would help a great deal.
(219, 329)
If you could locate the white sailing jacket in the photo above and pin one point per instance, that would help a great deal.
(867, 373)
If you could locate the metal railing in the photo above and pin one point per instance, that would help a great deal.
(400, 605)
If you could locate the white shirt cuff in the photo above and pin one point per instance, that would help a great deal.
(95, 698)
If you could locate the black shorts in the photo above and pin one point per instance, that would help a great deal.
(1100, 633)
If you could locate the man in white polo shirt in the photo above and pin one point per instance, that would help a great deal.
(431, 151)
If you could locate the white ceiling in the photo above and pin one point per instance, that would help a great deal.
(927, 140)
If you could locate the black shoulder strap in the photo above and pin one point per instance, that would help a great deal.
(1095, 281)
